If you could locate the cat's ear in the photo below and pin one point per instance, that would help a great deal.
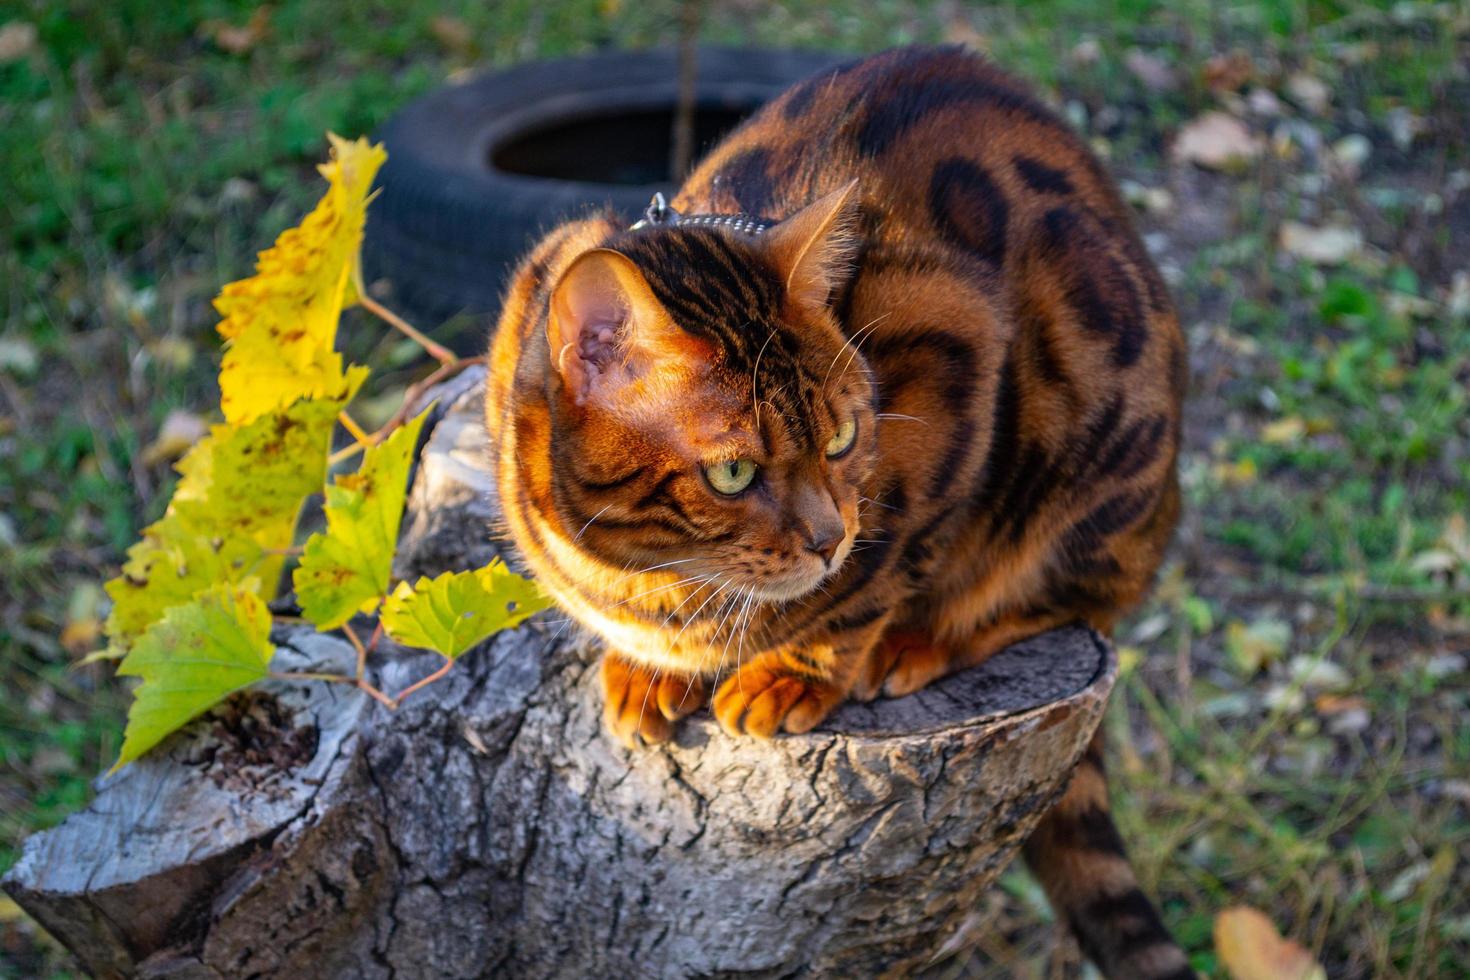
(605, 329)
(814, 248)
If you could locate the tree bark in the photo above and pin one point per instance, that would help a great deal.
(489, 827)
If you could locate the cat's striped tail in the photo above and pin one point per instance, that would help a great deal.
(1079, 857)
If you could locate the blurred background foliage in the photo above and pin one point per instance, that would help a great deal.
(1295, 737)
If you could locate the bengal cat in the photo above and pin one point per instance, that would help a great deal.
(924, 402)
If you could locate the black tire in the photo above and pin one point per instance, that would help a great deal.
(453, 217)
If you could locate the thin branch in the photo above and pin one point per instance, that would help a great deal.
(416, 390)
(423, 682)
(437, 351)
(411, 397)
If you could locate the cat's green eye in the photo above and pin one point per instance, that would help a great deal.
(730, 476)
(841, 440)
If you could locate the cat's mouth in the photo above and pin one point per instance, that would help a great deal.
(801, 581)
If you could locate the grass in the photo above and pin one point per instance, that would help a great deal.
(1295, 738)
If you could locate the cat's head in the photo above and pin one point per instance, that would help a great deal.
(709, 416)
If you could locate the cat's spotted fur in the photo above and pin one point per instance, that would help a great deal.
(955, 277)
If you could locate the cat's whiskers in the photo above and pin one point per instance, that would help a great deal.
(661, 588)
(646, 692)
(905, 418)
(862, 338)
(651, 568)
(672, 643)
(742, 596)
(740, 647)
(729, 607)
(876, 503)
(692, 593)
(848, 340)
(695, 615)
(594, 517)
(755, 373)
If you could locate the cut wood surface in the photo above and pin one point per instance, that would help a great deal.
(490, 828)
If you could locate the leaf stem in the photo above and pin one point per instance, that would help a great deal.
(411, 395)
(356, 645)
(377, 695)
(345, 453)
(355, 430)
(423, 682)
(439, 352)
(357, 682)
(307, 675)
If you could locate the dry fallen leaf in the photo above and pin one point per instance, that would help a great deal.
(1328, 245)
(1255, 646)
(1150, 70)
(1087, 52)
(1284, 431)
(1217, 141)
(1309, 92)
(17, 39)
(453, 33)
(239, 39)
(1237, 473)
(1250, 948)
(1229, 72)
(83, 627)
(179, 432)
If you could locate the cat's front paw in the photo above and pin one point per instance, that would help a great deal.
(903, 662)
(639, 703)
(765, 696)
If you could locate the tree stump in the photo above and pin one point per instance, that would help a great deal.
(490, 827)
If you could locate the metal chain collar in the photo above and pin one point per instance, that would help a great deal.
(658, 214)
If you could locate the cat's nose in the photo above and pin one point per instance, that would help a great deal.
(823, 542)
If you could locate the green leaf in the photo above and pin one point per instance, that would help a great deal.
(457, 610)
(346, 569)
(193, 658)
(241, 491)
(173, 562)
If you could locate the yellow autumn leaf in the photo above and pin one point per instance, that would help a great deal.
(281, 323)
(237, 502)
(1238, 474)
(259, 374)
(1284, 431)
(1250, 948)
(242, 479)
